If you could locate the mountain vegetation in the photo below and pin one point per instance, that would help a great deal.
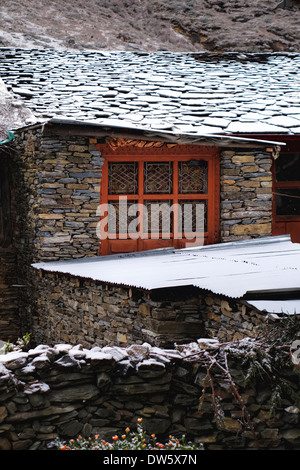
(174, 25)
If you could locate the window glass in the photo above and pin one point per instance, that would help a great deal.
(288, 201)
(288, 167)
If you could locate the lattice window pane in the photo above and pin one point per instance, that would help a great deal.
(192, 216)
(158, 178)
(123, 178)
(158, 217)
(122, 217)
(192, 177)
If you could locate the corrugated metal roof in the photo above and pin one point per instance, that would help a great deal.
(231, 269)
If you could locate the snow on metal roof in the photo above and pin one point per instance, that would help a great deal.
(202, 93)
(289, 307)
(270, 264)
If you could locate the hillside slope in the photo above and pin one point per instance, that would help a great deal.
(174, 25)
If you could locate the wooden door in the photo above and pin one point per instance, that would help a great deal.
(286, 195)
(158, 196)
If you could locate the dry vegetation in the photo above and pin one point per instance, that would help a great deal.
(176, 25)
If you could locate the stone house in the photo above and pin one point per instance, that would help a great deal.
(130, 152)
(12, 113)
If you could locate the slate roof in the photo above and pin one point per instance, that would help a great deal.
(267, 265)
(191, 93)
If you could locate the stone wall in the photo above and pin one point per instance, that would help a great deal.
(9, 319)
(246, 195)
(70, 309)
(61, 183)
(65, 390)
(58, 196)
(9, 242)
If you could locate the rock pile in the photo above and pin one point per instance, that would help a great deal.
(68, 390)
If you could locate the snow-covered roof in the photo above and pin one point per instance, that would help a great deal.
(266, 266)
(289, 307)
(192, 93)
(13, 113)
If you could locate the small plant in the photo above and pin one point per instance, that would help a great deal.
(129, 440)
(20, 345)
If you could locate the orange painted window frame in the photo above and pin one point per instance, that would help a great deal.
(284, 224)
(141, 152)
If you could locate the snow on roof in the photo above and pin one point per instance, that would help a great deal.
(13, 113)
(289, 307)
(233, 269)
(202, 93)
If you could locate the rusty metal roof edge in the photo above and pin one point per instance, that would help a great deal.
(152, 134)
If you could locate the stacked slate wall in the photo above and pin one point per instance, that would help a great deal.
(61, 183)
(65, 391)
(10, 289)
(58, 199)
(246, 194)
(9, 318)
(75, 310)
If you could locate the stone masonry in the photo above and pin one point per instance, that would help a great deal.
(246, 195)
(64, 390)
(76, 310)
(9, 244)
(59, 196)
(61, 184)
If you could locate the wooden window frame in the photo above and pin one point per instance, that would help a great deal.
(284, 223)
(141, 152)
(277, 186)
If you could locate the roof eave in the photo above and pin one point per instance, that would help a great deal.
(126, 130)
